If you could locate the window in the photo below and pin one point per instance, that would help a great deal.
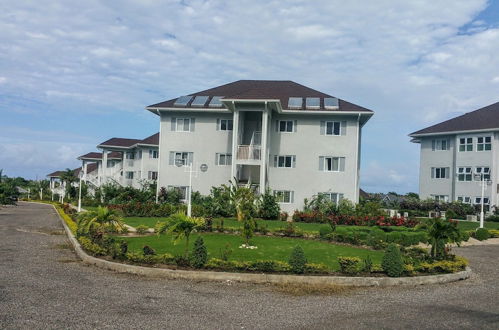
(333, 197)
(464, 199)
(223, 159)
(287, 126)
(139, 154)
(284, 196)
(464, 174)
(466, 144)
(111, 163)
(440, 145)
(225, 124)
(440, 172)
(440, 198)
(332, 164)
(182, 156)
(478, 200)
(484, 143)
(182, 190)
(333, 128)
(152, 175)
(485, 171)
(182, 124)
(153, 153)
(130, 155)
(129, 175)
(285, 161)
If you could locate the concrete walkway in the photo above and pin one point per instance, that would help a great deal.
(42, 285)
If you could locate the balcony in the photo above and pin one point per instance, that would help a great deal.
(249, 152)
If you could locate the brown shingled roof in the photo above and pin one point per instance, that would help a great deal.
(264, 89)
(92, 155)
(152, 140)
(481, 119)
(120, 142)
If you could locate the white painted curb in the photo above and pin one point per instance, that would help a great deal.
(260, 278)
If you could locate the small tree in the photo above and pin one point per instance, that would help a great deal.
(181, 226)
(393, 264)
(243, 199)
(269, 207)
(441, 232)
(103, 220)
(297, 260)
(200, 254)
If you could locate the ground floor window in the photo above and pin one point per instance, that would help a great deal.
(464, 199)
(129, 175)
(182, 189)
(440, 198)
(332, 196)
(284, 196)
(152, 175)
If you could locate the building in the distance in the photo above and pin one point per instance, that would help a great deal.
(456, 153)
(281, 135)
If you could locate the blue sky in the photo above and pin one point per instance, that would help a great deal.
(75, 74)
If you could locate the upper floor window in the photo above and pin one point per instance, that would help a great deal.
(440, 144)
(285, 161)
(466, 144)
(478, 200)
(130, 155)
(333, 197)
(464, 174)
(440, 172)
(484, 143)
(225, 124)
(464, 199)
(139, 154)
(153, 153)
(223, 159)
(284, 196)
(287, 126)
(334, 128)
(482, 170)
(181, 157)
(152, 175)
(331, 164)
(182, 124)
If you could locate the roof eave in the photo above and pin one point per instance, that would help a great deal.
(416, 135)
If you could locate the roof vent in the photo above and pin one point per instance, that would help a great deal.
(182, 101)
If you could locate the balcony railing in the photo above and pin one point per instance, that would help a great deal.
(249, 152)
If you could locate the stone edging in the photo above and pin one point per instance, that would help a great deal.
(260, 278)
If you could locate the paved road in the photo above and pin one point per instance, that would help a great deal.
(42, 285)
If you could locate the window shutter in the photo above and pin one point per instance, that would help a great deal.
(321, 163)
(294, 162)
(447, 172)
(275, 161)
(295, 123)
(217, 158)
(190, 157)
(277, 125)
(174, 124)
(343, 128)
(323, 127)
(433, 173)
(291, 196)
(192, 124)
(172, 158)
(218, 124)
(342, 164)
(433, 142)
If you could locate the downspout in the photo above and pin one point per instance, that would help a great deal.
(159, 158)
(357, 187)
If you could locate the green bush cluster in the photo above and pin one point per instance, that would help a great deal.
(91, 247)
(141, 229)
(200, 254)
(350, 265)
(443, 266)
(482, 234)
(297, 260)
(393, 264)
(138, 258)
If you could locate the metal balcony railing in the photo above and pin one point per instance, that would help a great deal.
(249, 152)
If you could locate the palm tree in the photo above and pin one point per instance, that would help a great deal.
(243, 199)
(181, 226)
(441, 232)
(102, 219)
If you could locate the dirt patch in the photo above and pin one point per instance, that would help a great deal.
(312, 289)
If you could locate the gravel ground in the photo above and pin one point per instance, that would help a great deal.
(42, 285)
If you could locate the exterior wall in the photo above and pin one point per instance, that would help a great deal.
(307, 144)
(453, 159)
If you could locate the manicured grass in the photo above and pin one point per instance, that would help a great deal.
(470, 225)
(147, 221)
(269, 248)
(89, 208)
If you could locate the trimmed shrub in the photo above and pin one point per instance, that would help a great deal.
(349, 265)
(393, 264)
(324, 231)
(269, 208)
(200, 254)
(297, 260)
(91, 247)
(123, 247)
(444, 266)
(494, 233)
(181, 261)
(493, 218)
(368, 264)
(148, 251)
(141, 229)
(316, 269)
(482, 234)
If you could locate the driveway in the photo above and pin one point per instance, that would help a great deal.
(43, 285)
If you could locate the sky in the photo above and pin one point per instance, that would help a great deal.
(74, 74)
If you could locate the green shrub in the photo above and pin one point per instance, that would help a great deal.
(123, 247)
(268, 266)
(482, 234)
(493, 218)
(141, 229)
(91, 247)
(444, 266)
(368, 264)
(316, 269)
(494, 233)
(324, 231)
(181, 261)
(200, 254)
(349, 265)
(148, 251)
(297, 260)
(269, 207)
(393, 264)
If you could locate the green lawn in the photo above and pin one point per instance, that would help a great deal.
(269, 248)
(470, 225)
(89, 208)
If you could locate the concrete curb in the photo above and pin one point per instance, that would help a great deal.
(260, 278)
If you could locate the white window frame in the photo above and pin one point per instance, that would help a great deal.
(440, 198)
(436, 172)
(184, 155)
(483, 169)
(464, 171)
(438, 145)
(223, 159)
(333, 196)
(284, 196)
(289, 126)
(340, 163)
(152, 175)
(129, 155)
(483, 145)
(229, 124)
(181, 123)
(283, 159)
(467, 146)
(333, 124)
(129, 175)
(464, 199)
(478, 200)
(153, 154)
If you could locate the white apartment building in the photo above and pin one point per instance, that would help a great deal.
(456, 152)
(281, 135)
